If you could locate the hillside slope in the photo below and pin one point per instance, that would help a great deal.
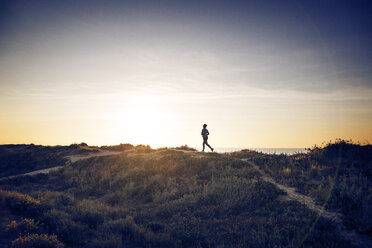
(172, 198)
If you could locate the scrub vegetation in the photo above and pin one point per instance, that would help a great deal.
(18, 159)
(338, 175)
(182, 198)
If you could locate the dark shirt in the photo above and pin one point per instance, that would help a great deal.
(204, 132)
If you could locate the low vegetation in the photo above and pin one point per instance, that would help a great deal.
(337, 175)
(37, 240)
(181, 198)
(18, 159)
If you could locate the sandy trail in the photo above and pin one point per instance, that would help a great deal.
(74, 158)
(355, 239)
(71, 158)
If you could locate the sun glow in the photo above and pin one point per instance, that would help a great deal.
(143, 121)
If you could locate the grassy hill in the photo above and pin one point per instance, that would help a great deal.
(17, 159)
(182, 198)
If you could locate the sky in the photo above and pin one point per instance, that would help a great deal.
(259, 73)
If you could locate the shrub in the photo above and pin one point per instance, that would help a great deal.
(21, 203)
(186, 148)
(142, 148)
(36, 241)
(24, 226)
(121, 147)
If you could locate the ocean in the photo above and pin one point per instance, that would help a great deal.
(288, 151)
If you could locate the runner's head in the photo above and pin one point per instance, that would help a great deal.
(205, 125)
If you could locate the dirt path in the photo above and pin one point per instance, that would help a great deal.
(71, 158)
(355, 239)
(74, 158)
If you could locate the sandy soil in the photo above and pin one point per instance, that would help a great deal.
(74, 158)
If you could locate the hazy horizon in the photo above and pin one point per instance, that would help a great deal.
(259, 73)
(158, 147)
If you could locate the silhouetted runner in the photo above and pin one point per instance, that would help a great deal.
(205, 134)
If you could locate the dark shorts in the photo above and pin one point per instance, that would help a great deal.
(205, 138)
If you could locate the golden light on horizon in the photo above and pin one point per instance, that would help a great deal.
(142, 121)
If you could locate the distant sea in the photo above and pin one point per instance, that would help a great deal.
(288, 151)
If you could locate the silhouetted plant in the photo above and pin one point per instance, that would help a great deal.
(37, 241)
(186, 148)
(143, 148)
(23, 226)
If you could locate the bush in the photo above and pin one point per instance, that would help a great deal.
(121, 147)
(21, 203)
(24, 226)
(143, 149)
(36, 241)
(186, 148)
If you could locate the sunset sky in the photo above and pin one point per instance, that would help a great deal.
(259, 73)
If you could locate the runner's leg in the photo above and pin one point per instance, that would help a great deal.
(206, 142)
(210, 147)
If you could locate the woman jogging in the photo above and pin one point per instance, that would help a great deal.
(205, 134)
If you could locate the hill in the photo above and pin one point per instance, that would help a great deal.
(182, 198)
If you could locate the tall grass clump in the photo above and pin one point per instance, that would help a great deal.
(37, 241)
